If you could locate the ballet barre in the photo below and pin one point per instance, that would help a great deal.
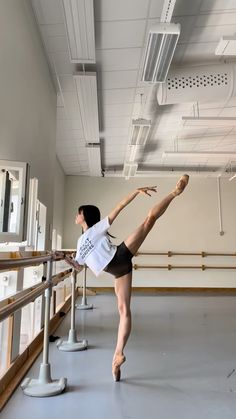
(171, 253)
(170, 267)
(44, 385)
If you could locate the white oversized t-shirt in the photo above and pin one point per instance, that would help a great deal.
(94, 247)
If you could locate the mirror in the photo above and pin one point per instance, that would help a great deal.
(13, 200)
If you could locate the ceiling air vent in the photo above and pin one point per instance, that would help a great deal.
(197, 84)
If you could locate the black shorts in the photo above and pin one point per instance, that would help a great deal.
(121, 263)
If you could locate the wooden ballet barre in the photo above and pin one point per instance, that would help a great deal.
(23, 262)
(170, 253)
(17, 260)
(16, 302)
(170, 267)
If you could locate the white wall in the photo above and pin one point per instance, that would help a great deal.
(59, 199)
(191, 223)
(27, 99)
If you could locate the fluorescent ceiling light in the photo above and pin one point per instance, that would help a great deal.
(161, 46)
(226, 46)
(140, 131)
(130, 169)
(208, 121)
(94, 158)
(86, 85)
(79, 20)
(133, 149)
(199, 154)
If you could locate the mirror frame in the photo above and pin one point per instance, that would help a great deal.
(21, 233)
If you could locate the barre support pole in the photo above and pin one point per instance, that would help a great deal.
(72, 344)
(44, 386)
(84, 304)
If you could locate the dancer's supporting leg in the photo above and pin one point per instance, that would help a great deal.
(123, 293)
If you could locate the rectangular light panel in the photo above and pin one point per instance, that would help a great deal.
(94, 158)
(140, 131)
(79, 21)
(160, 49)
(86, 85)
(130, 169)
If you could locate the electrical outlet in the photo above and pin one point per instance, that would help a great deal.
(4, 280)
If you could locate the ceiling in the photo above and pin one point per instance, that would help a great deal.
(121, 29)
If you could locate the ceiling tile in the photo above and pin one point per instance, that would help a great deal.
(116, 132)
(189, 7)
(120, 10)
(217, 5)
(118, 110)
(118, 79)
(209, 35)
(116, 96)
(70, 100)
(69, 124)
(48, 11)
(55, 44)
(216, 19)
(116, 122)
(118, 59)
(66, 83)
(62, 63)
(200, 52)
(57, 29)
(156, 9)
(72, 134)
(122, 34)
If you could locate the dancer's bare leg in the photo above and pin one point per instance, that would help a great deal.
(134, 241)
(123, 293)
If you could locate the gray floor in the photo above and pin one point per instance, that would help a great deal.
(181, 362)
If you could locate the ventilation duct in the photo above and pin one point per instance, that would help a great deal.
(197, 84)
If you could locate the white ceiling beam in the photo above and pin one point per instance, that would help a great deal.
(209, 121)
(94, 158)
(200, 154)
(79, 21)
(86, 87)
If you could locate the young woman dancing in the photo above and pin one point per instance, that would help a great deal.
(95, 249)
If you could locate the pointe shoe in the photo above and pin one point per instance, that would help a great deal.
(116, 364)
(181, 184)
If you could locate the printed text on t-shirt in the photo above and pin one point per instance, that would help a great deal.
(86, 248)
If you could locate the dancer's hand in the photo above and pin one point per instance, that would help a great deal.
(72, 262)
(58, 254)
(146, 189)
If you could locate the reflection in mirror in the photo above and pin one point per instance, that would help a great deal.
(13, 198)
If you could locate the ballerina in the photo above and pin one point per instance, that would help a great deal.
(95, 249)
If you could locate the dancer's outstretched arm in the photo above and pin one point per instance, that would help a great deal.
(122, 204)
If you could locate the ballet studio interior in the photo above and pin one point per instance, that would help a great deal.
(118, 209)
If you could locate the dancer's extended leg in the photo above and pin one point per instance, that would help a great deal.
(134, 241)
